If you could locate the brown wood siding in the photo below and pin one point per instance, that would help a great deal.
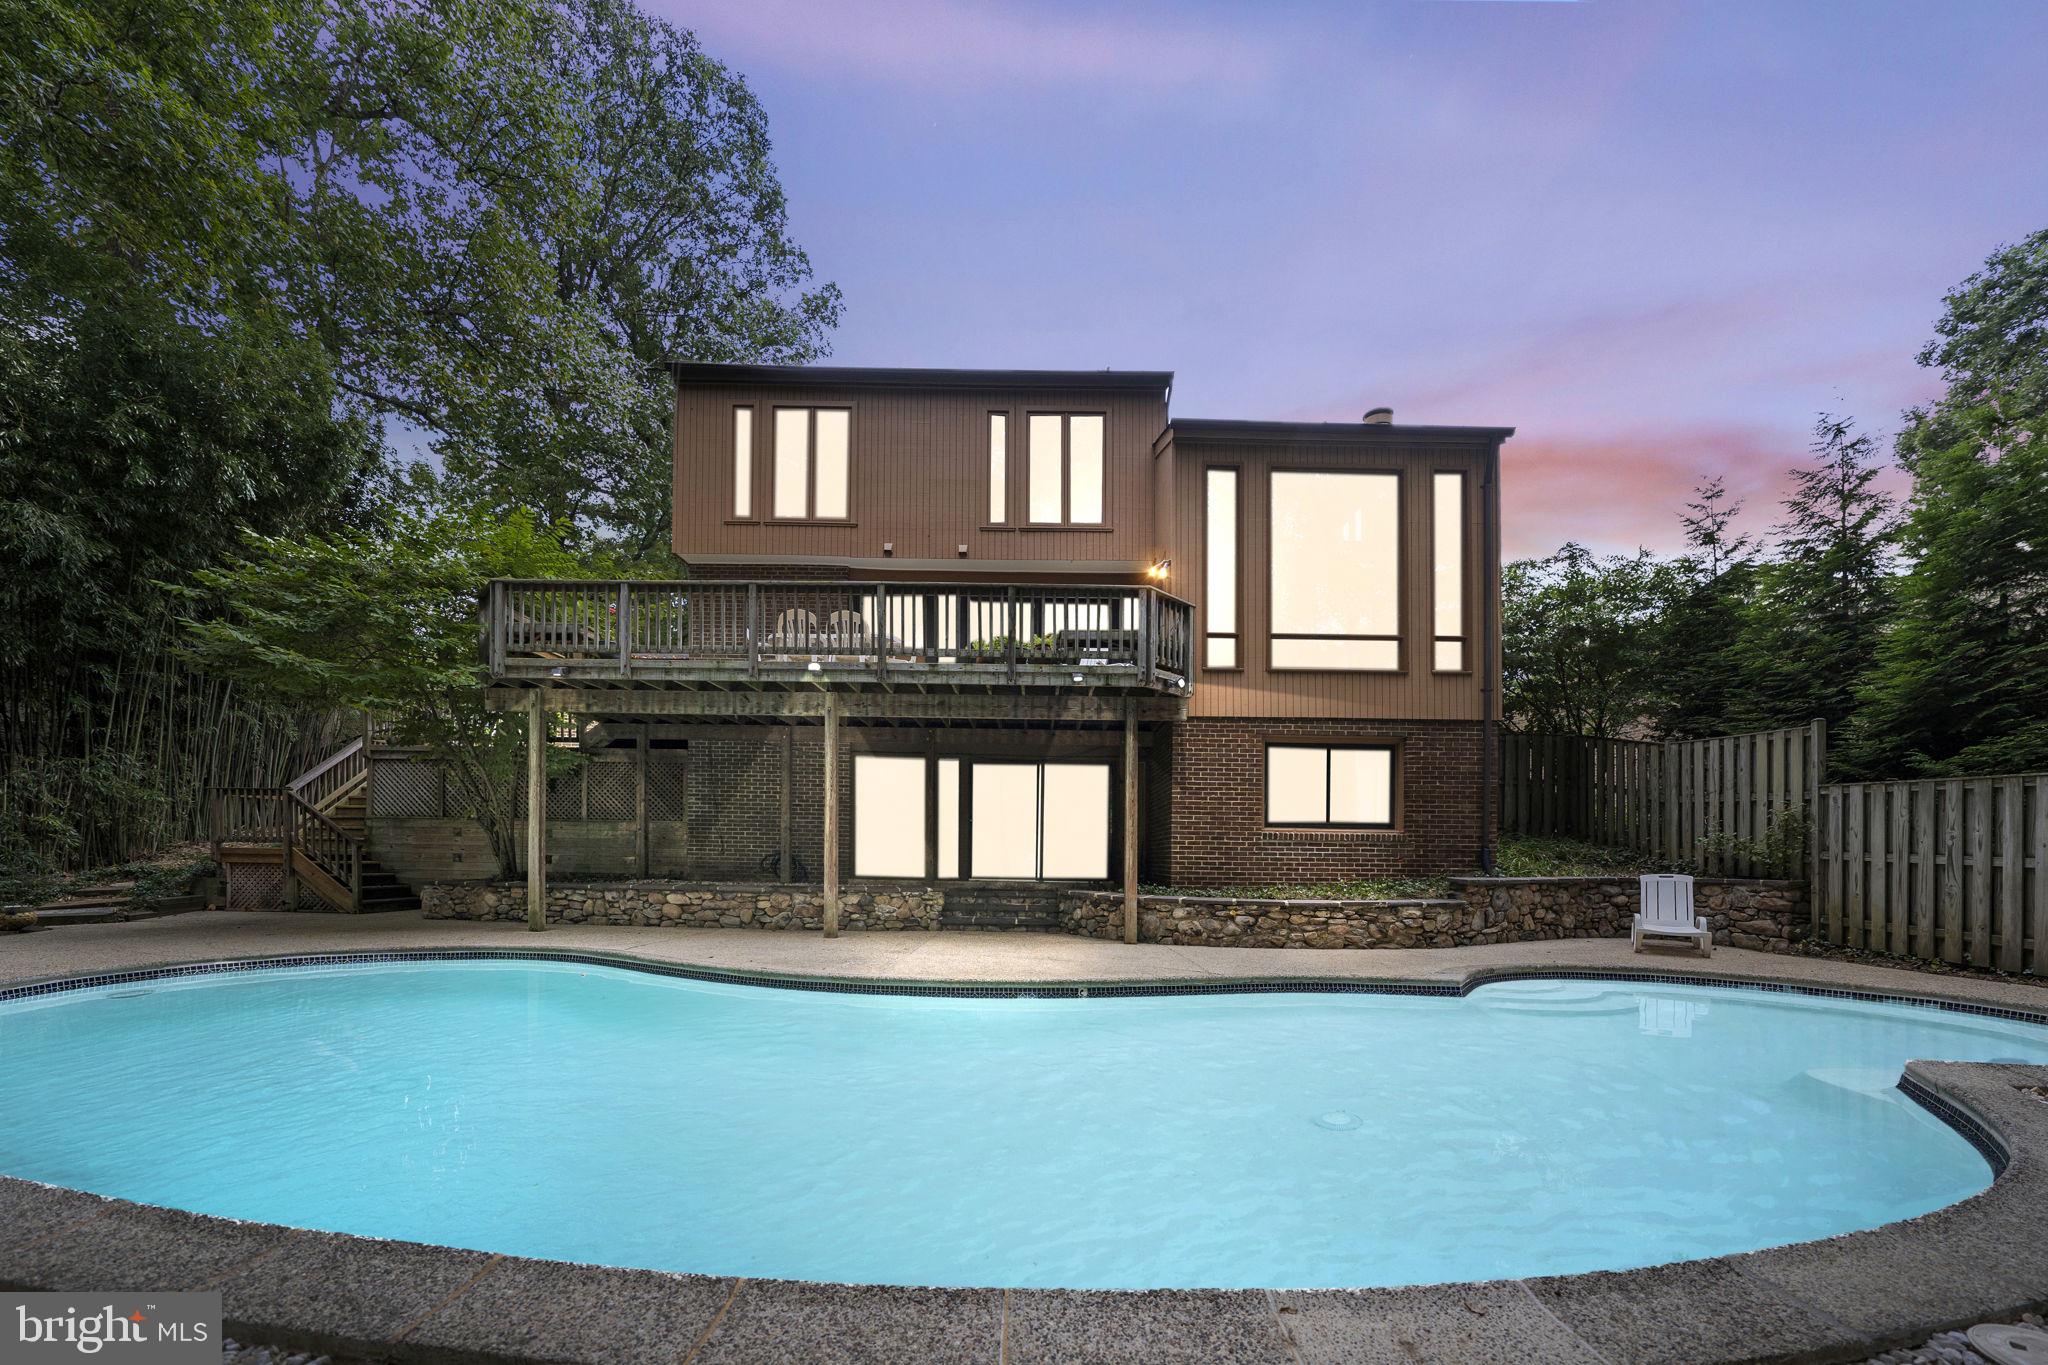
(1414, 693)
(918, 475)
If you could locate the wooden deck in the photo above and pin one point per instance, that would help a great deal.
(962, 638)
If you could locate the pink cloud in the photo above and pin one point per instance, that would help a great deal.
(1616, 491)
(958, 45)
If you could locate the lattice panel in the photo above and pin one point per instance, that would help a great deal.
(667, 786)
(254, 886)
(565, 796)
(610, 785)
(405, 787)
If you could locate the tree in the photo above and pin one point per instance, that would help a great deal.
(1700, 628)
(1577, 642)
(385, 621)
(239, 237)
(1961, 679)
(1809, 636)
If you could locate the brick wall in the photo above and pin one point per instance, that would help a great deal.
(735, 796)
(1219, 837)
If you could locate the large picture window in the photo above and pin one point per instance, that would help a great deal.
(811, 464)
(1447, 569)
(1336, 571)
(1341, 786)
(1064, 469)
(1039, 821)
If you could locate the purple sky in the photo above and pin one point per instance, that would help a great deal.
(1655, 237)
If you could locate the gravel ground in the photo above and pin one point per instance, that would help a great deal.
(1950, 1348)
(1925, 966)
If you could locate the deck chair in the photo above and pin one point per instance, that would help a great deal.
(1667, 913)
(796, 632)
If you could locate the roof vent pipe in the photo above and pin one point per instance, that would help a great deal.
(1379, 417)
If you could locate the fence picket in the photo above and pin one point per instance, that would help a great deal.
(2008, 922)
(1923, 869)
(1977, 874)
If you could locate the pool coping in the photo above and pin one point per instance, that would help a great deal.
(1838, 1299)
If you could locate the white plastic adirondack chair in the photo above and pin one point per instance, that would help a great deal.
(1667, 913)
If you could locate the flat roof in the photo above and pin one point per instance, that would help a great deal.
(710, 372)
(1235, 429)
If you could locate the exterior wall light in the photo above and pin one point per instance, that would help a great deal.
(1157, 573)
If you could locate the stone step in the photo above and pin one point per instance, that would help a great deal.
(972, 918)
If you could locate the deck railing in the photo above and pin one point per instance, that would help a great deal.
(248, 815)
(752, 627)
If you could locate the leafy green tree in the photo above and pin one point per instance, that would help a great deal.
(1578, 642)
(1961, 679)
(385, 621)
(1810, 633)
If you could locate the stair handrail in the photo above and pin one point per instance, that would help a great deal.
(325, 844)
(333, 776)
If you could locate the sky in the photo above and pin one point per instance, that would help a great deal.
(1657, 238)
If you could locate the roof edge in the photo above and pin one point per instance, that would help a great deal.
(1240, 429)
(717, 372)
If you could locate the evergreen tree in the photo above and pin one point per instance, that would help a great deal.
(1699, 633)
(1810, 634)
(1961, 679)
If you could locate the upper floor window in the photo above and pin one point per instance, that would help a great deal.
(1336, 571)
(1219, 649)
(811, 464)
(1064, 475)
(742, 463)
(998, 467)
(1447, 542)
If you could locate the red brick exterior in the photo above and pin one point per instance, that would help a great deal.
(1219, 836)
(735, 811)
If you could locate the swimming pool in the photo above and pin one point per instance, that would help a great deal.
(590, 1113)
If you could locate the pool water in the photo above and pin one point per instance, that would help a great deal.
(596, 1114)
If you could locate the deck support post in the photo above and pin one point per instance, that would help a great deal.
(831, 815)
(1130, 823)
(536, 814)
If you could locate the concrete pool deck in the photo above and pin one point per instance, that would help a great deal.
(1844, 1298)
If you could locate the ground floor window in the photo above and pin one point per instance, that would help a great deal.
(888, 816)
(990, 819)
(1338, 785)
(1038, 821)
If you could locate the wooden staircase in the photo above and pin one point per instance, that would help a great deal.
(319, 819)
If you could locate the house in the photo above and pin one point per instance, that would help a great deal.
(1022, 628)
(1006, 633)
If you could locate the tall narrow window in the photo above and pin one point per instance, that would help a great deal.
(1220, 569)
(743, 462)
(949, 817)
(1065, 469)
(1447, 539)
(1003, 830)
(1336, 571)
(1327, 784)
(888, 815)
(811, 473)
(998, 467)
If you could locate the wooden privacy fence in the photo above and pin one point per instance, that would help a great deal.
(1947, 869)
(1708, 803)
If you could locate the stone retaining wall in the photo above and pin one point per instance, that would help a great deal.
(1767, 915)
(700, 905)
